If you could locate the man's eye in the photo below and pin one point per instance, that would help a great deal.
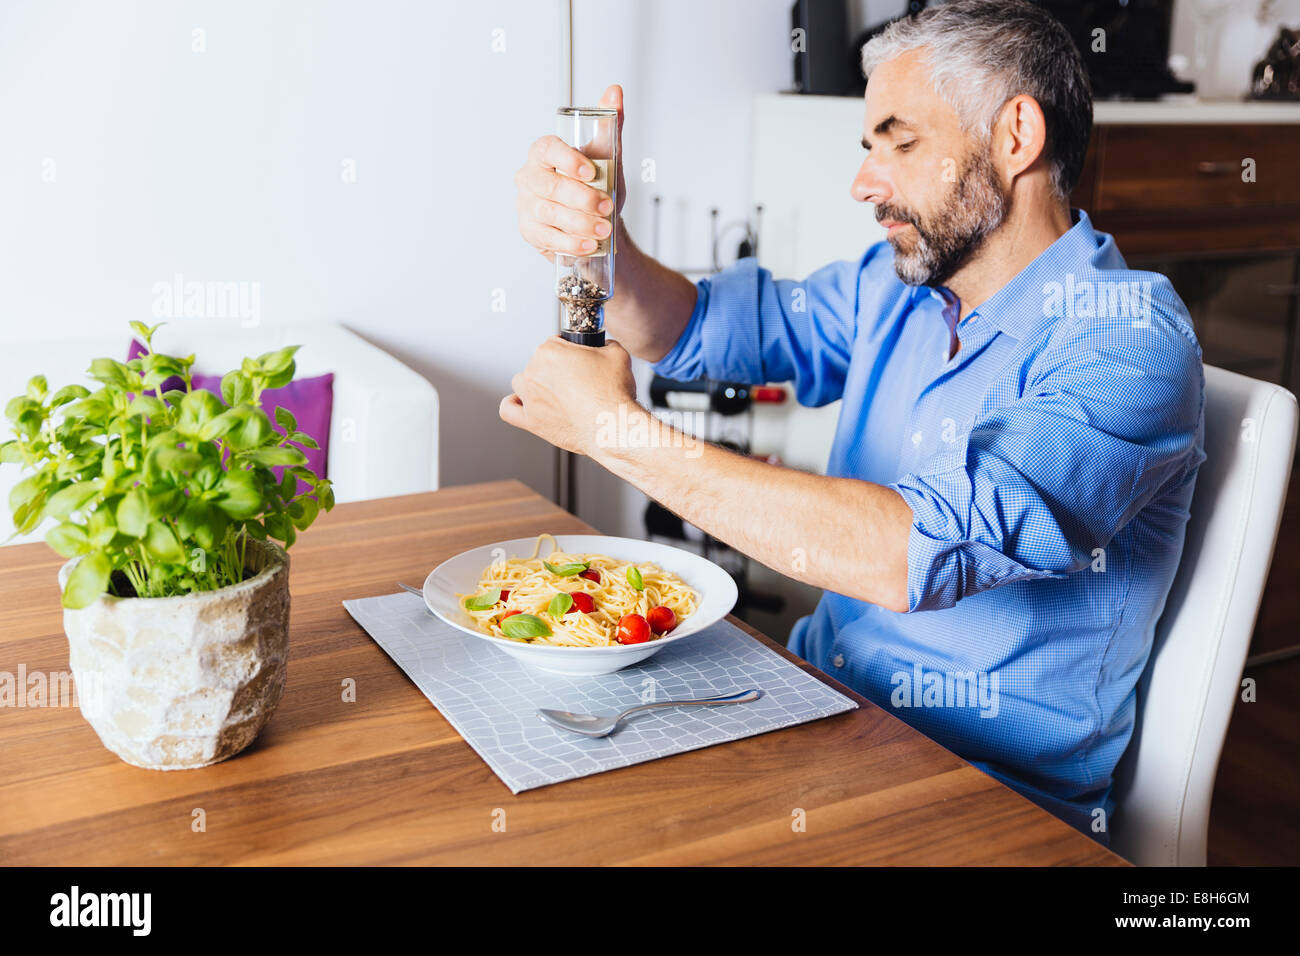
(906, 147)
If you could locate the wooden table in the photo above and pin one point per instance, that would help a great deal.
(385, 780)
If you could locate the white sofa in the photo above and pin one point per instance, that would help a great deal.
(384, 425)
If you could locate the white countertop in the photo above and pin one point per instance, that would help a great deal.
(1173, 109)
(1188, 109)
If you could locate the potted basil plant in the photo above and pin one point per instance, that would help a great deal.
(176, 591)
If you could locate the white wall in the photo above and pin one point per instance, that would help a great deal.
(228, 165)
(689, 71)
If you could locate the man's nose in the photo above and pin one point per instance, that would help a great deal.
(869, 185)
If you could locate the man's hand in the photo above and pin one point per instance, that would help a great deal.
(557, 210)
(566, 389)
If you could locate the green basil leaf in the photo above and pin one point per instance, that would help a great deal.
(101, 526)
(161, 542)
(277, 361)
(68, 393)
(11, 452)
(37, 388)
(560, 605)
(523, 627)
(310, 509)
(235, 388)
(112, 372)
(565, 570)
(172, 461)
(20, 406)
(302, 438)
(219, 425)
(193, 518)
(241, 495)
(481, 602)
(133, 515)
(252, 431)
(23, 492)
(72, 498)
(88, 580)
(93, 408)
(634, 578)
(68, 539)
(197, 408)
(149, 406)
(275, 455)
(284, 418)
(278, 526)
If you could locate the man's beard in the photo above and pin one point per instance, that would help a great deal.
(948, 239)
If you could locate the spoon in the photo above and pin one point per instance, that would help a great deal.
(590, 725)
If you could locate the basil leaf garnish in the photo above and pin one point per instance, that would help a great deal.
(565, 570)
(481, 602)
(634, 579)
(524, 627)
(560, 605)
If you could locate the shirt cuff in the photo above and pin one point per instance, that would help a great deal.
(722, 338)
(943, 564)
(684, 363)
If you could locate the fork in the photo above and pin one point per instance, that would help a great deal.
(591, 725)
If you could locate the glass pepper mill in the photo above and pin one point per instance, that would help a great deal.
(583, 284)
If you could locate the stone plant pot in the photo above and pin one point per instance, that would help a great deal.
(180, 682)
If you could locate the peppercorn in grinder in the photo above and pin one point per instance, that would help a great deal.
(585, 283)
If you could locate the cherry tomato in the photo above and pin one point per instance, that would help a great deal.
(507, 614)
(505, 595)
(633, 629)
(661, 619)
(590, 575)
(583, 602)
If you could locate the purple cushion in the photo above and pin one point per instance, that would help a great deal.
(310, 400)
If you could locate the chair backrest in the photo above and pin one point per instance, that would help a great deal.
(1186, 695)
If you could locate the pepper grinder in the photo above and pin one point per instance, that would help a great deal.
(585, 283)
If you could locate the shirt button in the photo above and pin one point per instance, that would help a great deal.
(837, 661)
(916, 438)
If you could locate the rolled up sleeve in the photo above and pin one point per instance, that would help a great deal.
(748, 327)
(1036, 486)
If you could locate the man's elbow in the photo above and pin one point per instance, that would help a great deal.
(897, 602)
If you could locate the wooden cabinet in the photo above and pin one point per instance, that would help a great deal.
(1216, 208)
(1206, 189)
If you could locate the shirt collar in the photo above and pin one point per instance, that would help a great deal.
(1017, 308)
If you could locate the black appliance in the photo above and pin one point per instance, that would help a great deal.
(819, 39)
(1134, 63)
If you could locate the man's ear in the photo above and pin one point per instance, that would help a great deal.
(1020, 136)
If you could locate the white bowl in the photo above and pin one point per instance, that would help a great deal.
(460, 575)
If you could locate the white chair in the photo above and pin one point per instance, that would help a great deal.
(1186, 695)
(383, 426)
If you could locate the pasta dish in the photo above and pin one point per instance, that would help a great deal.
(577, 600)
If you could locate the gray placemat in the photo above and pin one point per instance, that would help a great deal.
(492, 699)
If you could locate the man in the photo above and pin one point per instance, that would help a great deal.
(1022, 421)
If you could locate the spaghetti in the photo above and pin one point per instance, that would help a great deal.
(576, 600)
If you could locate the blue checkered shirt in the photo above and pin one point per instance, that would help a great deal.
(1049, 465)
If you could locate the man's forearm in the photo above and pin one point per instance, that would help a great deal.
(840, 534)
(651, 303)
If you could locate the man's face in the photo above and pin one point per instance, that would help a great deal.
(934, 186)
